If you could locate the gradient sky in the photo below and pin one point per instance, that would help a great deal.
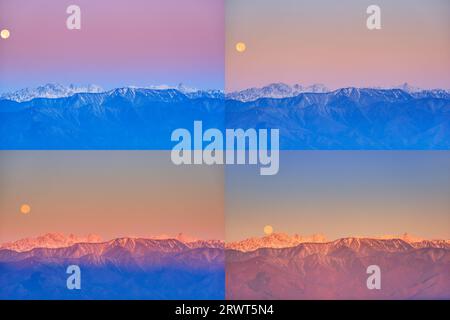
(141, 193)
(144, 42)
(327, 41)
(342, 193)
(133, 42)
(109, 193)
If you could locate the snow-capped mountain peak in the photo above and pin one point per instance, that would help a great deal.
(188, 91)
(192, 242)
(408, 88)
(274, 240)
(49, 240)
(50, 90)
(59, 240)
(275, 90)
(180, 87)
(282, 90)
(386, 242)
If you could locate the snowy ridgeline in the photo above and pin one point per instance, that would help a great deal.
(144, 118)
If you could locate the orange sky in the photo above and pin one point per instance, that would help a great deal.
(327, 41)
(341, 194)
(109, 193)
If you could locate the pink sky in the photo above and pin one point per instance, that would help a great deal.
(135, 42)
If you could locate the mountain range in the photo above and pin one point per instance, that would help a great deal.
(337, 270)
(281, 90)
(124, 118)
(49, 90)
(351, 118)
(275, 90)
(274, 240)
(144, 118)
(59, 240)
(307, 268)
(283, 240)
(123, 268)
(49, 240)
(56, 90)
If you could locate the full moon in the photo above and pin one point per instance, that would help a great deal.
(268, 230)
(240, 47)
(25, 209)
(4, 34)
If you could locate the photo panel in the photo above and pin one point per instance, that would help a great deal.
(92, 203)
(350, 101)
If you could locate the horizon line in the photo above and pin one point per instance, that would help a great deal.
(190, 239)
(189, 88)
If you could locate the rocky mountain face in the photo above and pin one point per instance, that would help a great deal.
(337, 270)
(144, 118)
(124, 268)
(306, 268)
(274, 240)
(275, 90)
(350, 118)
(123, 118)
(49, 90)
(49, 240)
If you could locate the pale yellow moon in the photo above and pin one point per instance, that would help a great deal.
(25, 209)
(4, 34)
(268, 230)
(240, 47)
